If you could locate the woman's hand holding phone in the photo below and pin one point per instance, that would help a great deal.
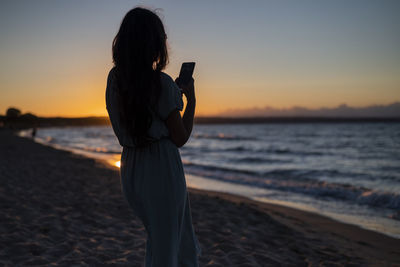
(187, 89)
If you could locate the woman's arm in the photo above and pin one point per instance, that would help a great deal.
(179, 127)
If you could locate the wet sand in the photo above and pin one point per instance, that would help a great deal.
(62, 209)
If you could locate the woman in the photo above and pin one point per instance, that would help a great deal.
(143, 104)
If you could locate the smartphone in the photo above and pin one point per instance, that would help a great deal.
(186, 72)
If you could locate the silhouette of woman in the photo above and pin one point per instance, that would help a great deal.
(143, 104)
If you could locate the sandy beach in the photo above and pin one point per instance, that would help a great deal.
(62, 209)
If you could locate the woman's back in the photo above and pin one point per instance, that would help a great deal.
(170, 98)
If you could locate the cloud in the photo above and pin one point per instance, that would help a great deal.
(342, 111)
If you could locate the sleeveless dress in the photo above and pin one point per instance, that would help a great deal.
(153, 182)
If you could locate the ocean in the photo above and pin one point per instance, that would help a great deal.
(347, 171)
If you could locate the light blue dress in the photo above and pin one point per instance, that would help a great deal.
(153, 182)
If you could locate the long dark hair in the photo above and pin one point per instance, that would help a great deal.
(139, 54)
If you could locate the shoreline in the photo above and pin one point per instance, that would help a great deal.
(252, 193)
(92, 224)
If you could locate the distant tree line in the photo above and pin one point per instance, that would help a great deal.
(14, 119)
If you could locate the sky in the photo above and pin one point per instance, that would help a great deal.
(55, 55)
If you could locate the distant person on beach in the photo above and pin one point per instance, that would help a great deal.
(144, 106)
(33, 133)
